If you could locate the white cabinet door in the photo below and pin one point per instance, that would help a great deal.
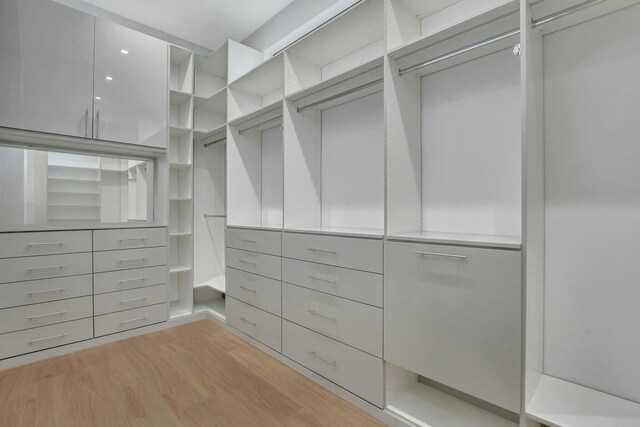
(130, 94)
(46, 70)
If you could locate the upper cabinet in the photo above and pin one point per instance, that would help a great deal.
(65, 72)
(46, 70)
(130, 86)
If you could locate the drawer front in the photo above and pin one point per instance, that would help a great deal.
(266, 242)
(264, 265)
(44, 243)
(453, 314)
(349, 252)
(358, 325)
(258, 291)
(44, 267)
(256, 323)
(129, 259)
(129, 279)
(37, 291)
(343, 282)
(358, 372)
(129, 238)
(48, 313)
(130, 319)
(127, 300)
(37, 339)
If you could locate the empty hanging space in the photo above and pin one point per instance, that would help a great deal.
(584, 160)
(334, 158)
(350, 44)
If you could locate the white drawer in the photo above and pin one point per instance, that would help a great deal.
(129, 238)
(130, 319)
(256, 323)
(453, 314)
(113, 281)
(264, 241)
(48, 313)
(37, 291)
(44, 243)
(358, 372)
(343, 282)
(350, 252)
(258, 291)
(37, 339)
(253, 262)
(127, 300)
(129, 259)
(358, 325)
(44, 267)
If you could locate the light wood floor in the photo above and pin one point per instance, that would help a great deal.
(192, 375)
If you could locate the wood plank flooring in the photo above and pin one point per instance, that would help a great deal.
(192, 375)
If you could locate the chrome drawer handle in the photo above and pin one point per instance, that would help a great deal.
(333, 282)
(122, 261)
(137, 279)
(46, 291)
(125, 301)
(131, 239)
(247, 262)
(248, 241)
(317, 356)
(137, 319)
(53, 337)
(436, 254)
(324, 251)
(35, 245)
(247, 321)
(315, 313)
(48, 267)
(42, 316)
(248, 289)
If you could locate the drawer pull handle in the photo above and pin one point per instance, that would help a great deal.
(248, 289)
(42, 316)
(437, 254)
(53, 337)
(48, 267)
(315, 313)
(247, 262)
(137, 319)
(122, 261)
(320, 279)
(317, 356)
(137, 279)
(324, 251)
(46, 291)
(37, 245)
(132, 239)
(248, 241)
(247, 321)
(125, 301)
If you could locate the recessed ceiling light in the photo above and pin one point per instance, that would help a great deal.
(109, 78)
(124, 52)
(98, 98)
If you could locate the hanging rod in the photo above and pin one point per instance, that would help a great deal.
(214, 216)
(214, 142)
(534, 23)
(340, 95)
(266, 122)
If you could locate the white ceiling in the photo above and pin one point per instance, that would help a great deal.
(207, 23)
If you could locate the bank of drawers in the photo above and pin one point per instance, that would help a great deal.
(253, 286)
(332, 309)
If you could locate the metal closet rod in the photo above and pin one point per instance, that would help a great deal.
(266, 122)
(214, 216)
(534, 23)
(214, 142)
(340, 95)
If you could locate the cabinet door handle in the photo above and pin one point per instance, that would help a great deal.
(137, 319)
(37, 245)
(46, 291)
(86, 123)
(137, 279)
(42, 316)
(248, 241)
(126, 301)
(437, 254)
(98, 124)
(317, 356)
(247, 262)
(253, 291)
(53, 337)
(324, 251)
(48, 267)
(122, 261)
(320, 279)
(132, 239)
(315, 313)
(247, 321)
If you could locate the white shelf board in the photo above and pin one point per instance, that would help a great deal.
(261, 111)
(179, 233)
(177, 131)
(215, 307)
(55, 178)
(217, 283)
(265, 78)
(269, 227)
(95, 193)
(177, 97)
(219, 96)
(428, 407)
(340, 231)
(480, 240)
(176, 310)
(177, 269)
(180, 165)
(180, 199)
(200, 133)
(557, 402)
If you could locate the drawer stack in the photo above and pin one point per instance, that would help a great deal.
(130, 279)
(45, 290)
(332, 309)
(253, 284)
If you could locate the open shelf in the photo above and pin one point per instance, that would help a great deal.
(180, 111)
(177, 269)
(180, 143)
(350, 40)
(176, 310)
(260, 88)
(217, 284)
(211, 73)
(180, 70)
(180, 184)
(210, 114)
(180, 213)
(214, 306)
